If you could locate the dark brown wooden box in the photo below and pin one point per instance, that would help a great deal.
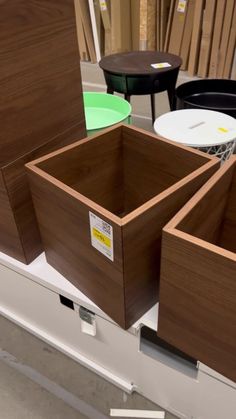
(41, 106)
(198, 275)
(133, 181)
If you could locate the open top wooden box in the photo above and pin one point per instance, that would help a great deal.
(101, 205)
(41, 107)
(198, 275)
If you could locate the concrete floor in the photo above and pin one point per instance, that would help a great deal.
(37, 381)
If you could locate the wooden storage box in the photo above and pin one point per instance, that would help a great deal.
(198, 275)
(101, 204)
(41, 106)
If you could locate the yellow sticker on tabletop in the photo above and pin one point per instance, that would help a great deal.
(223, 130)
(160, 65)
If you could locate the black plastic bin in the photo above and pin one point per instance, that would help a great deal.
(214, 94)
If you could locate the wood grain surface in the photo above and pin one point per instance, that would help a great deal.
(127, 177)
(147, 169)
(227, 238)
(65, 232)
(205, 222)
(198, 271)
(41, 104)
(217, 31)
(91, 165)
(10, 240)
(206, 37)
(196, 36)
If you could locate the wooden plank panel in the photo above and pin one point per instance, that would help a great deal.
(219, 17)
(106, 19)
(233, 73)
(169, 23)
(143, 25)
(196, 36)
(206, 41)
(100, 28)
(151, 25)
(186, 41)
(158, 25)
(231, 47)
(148, 25)
(120, 26)
(80, 31)
(86, 21)
(94, 30)
(165, 8)
(225, 36)
(135, 24)
(177, 27)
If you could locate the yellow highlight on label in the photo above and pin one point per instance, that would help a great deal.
(101, 237)
(103, 5)
(221, 129)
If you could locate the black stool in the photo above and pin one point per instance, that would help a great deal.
(131, 73)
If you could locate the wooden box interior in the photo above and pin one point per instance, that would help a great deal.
(213, 219)
(122, 169)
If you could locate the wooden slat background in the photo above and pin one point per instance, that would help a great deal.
(202, 32)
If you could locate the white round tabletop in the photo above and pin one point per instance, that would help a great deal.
(196, 127)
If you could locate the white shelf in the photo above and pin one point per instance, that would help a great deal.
(43, 274)
(29, 296)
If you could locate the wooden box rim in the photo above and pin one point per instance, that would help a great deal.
(32, 166)
(172, 226)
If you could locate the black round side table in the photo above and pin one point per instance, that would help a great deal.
(132, 73)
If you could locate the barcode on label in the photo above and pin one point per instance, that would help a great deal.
(101, 234)
(106, 227)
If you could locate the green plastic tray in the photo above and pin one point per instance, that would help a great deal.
(103, 110)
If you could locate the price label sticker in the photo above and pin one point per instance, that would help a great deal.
(161, 65)
(101, 236)
(181, 6)
(103, 5)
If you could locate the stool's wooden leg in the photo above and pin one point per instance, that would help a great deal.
(127, 97)
(109, 90)
(153, 107)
